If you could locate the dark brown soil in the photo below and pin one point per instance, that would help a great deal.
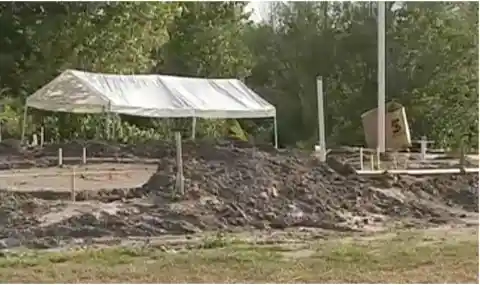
(271, 189)
(232, 186)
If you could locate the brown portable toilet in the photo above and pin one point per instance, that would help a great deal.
(397, 131)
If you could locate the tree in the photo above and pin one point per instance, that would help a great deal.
(432, 57)
(206, 40)
(44, 39)
(439, 58)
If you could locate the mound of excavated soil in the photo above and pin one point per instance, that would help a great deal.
(229, 187)
(150, 149)
(13, 156)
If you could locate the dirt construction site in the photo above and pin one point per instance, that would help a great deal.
(127, 195)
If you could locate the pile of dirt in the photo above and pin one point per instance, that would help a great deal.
(96, 148)
(14, 156)
(230, 186)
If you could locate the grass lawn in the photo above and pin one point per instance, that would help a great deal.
(393, 258)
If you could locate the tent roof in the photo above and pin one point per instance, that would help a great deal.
(150, 96)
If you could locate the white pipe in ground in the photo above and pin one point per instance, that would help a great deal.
(60, 157)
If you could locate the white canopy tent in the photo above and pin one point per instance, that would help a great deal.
(158, 96)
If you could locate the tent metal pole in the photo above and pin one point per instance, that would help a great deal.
(112, 121)
(275, 131)
(194, 127)
(24, 123)
(108, 121)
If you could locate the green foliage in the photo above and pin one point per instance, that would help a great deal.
(206, 40)
(432, 55)
(432, 61)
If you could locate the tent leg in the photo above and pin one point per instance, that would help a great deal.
(108, 124)
(113, 123)
(194, 127)
(24, 124)
(275, 131)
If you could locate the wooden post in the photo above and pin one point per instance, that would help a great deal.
(84, 155)
(372, 163)
(42, 136)
(60, 157)
(180, 179)
(361, 158)
(72, 185)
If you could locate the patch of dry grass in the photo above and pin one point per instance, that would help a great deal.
(400, 258)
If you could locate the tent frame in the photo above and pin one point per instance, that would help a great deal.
(108, 111)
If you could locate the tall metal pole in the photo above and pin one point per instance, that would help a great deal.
(381, 77)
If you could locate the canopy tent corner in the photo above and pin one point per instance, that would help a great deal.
(155, 96)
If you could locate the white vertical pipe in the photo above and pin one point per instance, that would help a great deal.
(378, 160)
(60, 157)
(423, 148)
(361, 158)
(84, 155)
(321, 120)
(180, 178)
(72, 185)
(381, 77)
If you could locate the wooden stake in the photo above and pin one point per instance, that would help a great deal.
(72, 188)
(60, 157)
(180, 178)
